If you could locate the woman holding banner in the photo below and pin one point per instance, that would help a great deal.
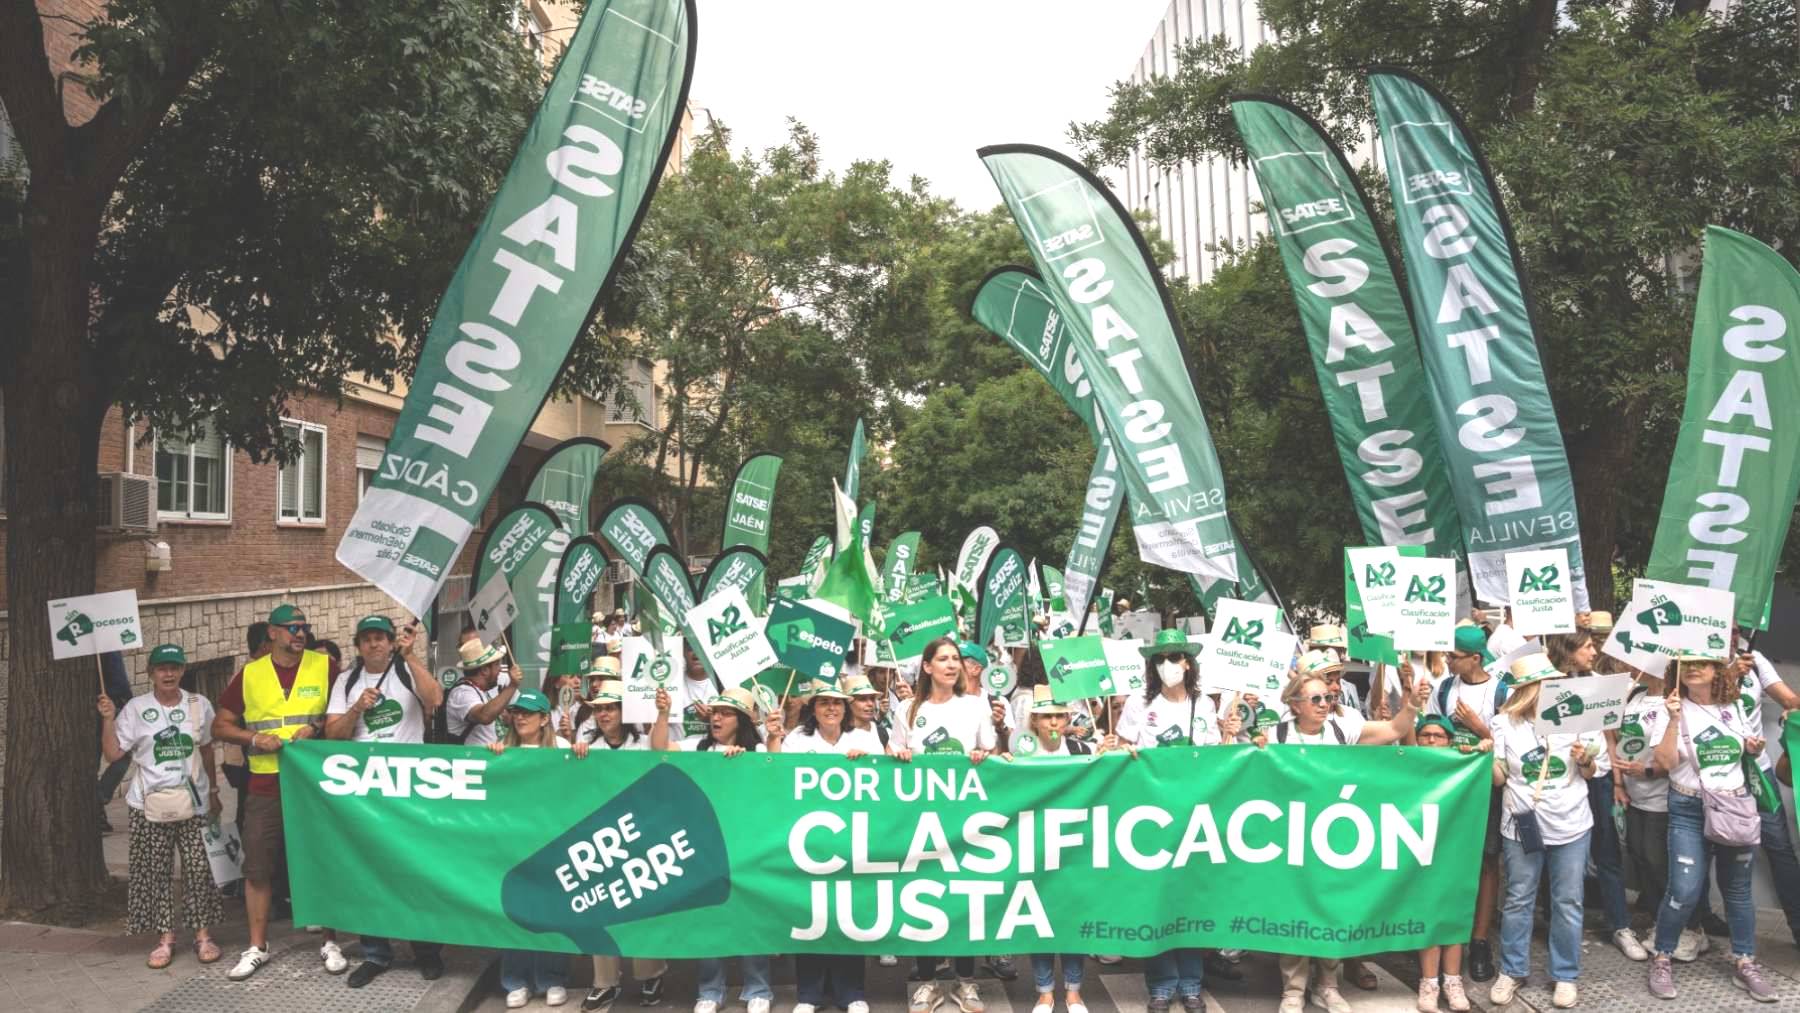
(1711, 815)
(1434, 731)
(942, 718)
(1545, 824)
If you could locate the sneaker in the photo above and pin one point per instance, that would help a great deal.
(888, 960)
(1662, 978)
(1503, 990)
(1690, 945)
(1002, 968)
(1291, 1002)
(1628, 944)
(1109, 959)
(805, 1007)
(431, 967)
(1428, 995)
(650, 992)
(1454, 995)
(365, 972)
(1232, 955)
(248, 962)
(333, 956)
(1564, 995)
(857, 1006)
(1330, 999)
(706, 1006)
(1749, 977)
(1190, 1003)
(925, 998)
(1157, 1004)
(600, 1000)
(968, 997)
(1481, 960)
(757, 1006)
(517, 998)
(556, 995)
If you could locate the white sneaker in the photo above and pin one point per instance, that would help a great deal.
(706, 1006)
(1109, 959)
(1503, 990)
(1293, 1002)
(1564, 996)
(888, 960)
(517, 998)
(925, 998)
(248, 962)
(333, 956)
(1628, 944)
(1690, 944)
(857, 1007)
(805, 1007)
(1330, 999)
(758, 1006)
(556, 996)
(968, 998)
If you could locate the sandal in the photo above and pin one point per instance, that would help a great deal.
(1360, 976)
(162, 956)
(206, 950)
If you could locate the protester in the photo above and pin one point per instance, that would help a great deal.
(478, 700)
(1643, 788)
(1470, 696)
(1703, 707)
(943, 717)
(865, 709)
(699, 687)
(974, 665)
(1757, 679)
(1434, 731)
(1332, 640)
(385, 697)
(1545, 823)
(164, 733)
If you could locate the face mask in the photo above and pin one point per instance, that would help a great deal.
(1170, 672)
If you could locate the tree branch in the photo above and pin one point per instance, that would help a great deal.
(28, 88)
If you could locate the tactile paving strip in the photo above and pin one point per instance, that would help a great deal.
(293, 981)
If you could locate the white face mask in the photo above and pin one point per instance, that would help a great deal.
(1171, 672)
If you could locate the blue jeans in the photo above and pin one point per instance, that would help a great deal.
(835, 977)
(1568, 869)
(530, 969)
(1043, 968)
(756, 979)
(1603, 847)
(1175, 970)
(1688, 852)
(380, 951)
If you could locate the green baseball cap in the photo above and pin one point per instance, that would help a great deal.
(286, 613)
(531, 700)
(1472, 639)
(374, 623)
(167, 654)
(972, 651)
(1438, 720)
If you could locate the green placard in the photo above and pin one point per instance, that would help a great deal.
(919, 623)
(1076, 667)
(811, 637)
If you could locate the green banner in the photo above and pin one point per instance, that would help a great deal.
(632, 527)
(742, 569)
(525, 289)
(1131, 350)
(1054, 598)
(1736, 471)
(1003, 603)
(851, 582)
(1288, 849)
(1015, 304)
(1500, 437)
(811, 637)
(517, 535)
(583, 564)
(920, 586)
(666, 575)
(853, 467)
(915, 624)
(564, 482)
(571, 647)
(897, 566)
(1356, 320)
(748, 515)
(1076, 667)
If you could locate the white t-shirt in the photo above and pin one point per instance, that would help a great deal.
(1562, 810)
(589, 732)
(1645, 721)
(1752, 686)
(696, 691)
(693, 746)
(961, 724)
(861, 739)
(464, 697)
(161, 741)
(1350, 721)
(1165, 722)
(398, 717)
(1478, 697)
(1718, 735)
(561, 743)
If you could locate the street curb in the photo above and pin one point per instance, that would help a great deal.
(469, 976)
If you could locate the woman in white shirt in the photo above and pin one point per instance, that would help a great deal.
(940, 719)
(1705, 745)
(1545, 824)
(601, 720)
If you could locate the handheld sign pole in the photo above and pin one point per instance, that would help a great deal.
(100, 670)
(784, 692)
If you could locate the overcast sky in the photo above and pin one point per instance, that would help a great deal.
(921, 84)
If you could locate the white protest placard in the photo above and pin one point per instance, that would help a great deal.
(1137, 626)
(1126, 662)
(644, 670)
(1247, 651)
(1375, 570)
(493, 609)
(1665, 619)
(727, 638)
(1581, 704)
(1543, 599)
(94, 624)
(1425, 615)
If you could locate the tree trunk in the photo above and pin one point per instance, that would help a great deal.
(1602, 463)
(50, 857)
(1533, 39)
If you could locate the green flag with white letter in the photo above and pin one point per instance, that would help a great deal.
(741, 569)
(633, 527)
(897, 566)
(667, 577)
(1099, 272)
(853, 469)
(527, 286)
(1003, 600)
(752, 506)
(1363, 347)
(564, 482)
(1736, 471)
(516, 535)
(576, 577)
(1500, 438)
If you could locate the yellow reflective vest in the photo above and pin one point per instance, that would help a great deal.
(267, 711)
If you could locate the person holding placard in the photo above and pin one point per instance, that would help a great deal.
(943, 717)
(1643, 788)
(1434, 731)
(1470, 696)
(1332, 640)
(1711, 816)
(1545, 824)
(176, 790)
(865, 708)
(974, 667)
(601, 720)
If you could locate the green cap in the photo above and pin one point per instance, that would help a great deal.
(1170, 642)
(1438, 720)
(531, 700)
(375, 623)
(285, 614)
(167, 654)
(972, 651)
(1472, 639)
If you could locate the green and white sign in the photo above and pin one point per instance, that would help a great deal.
(742, 569)
(915, 624)
(1125, 660)
(1076, 667)
(1317, 851)
(1542, 598)
(1582, 704)
(1425, 618)
(817, 561)
(1666, 619)
(492, 609)
(1508, 470)
(897, 567)
(644, 670)
(1003, 609)
(811, 637)
(518, 535)
(1736, 471)
(1247, 651)
(666, 575)
(749, 514)
(94, 624)
(1375, 570)
(571, 647)
(528, 284)
(1365, 644)
(633, 527)
(564, 484)
(729, 639)
(583, 564)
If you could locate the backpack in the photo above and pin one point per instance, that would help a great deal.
(400, 673)
(441, 722)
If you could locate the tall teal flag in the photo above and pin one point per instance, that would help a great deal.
(527, 286)
(564, 482)
(853, 469)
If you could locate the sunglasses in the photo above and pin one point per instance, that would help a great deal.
(1321, 699)
(297, 629)
(1160, 658)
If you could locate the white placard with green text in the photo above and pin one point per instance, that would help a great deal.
(1247, 651)
(1425, 615)
(728, 638)
(94, 624)
(1543, 600)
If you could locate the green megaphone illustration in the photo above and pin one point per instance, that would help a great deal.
(1666, 614)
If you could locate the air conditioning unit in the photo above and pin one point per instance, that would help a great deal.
(698, 564)
(618, 573)
(127, 502)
